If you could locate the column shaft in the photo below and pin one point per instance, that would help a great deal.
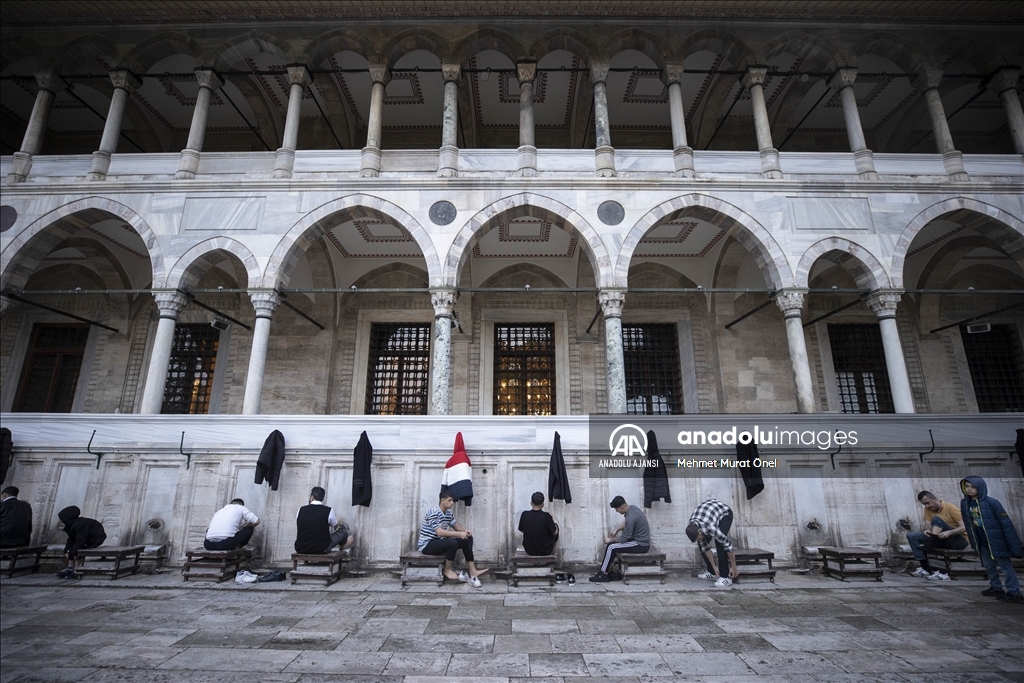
(370, 162)
(604, 153)
(443, 301)
(602, 130)
(940, 127)
(526, 154)
(264, 303)
(448, 155)
(863, 157)
(854, 130)
(611, 304)
(790, 304)
(753, 80)
(188, 165)
(526, 114)
(896, 364)
(299, 78)
(1014, 118)
(32, 141)
(169, 304)
(681, 151)
(123, 83)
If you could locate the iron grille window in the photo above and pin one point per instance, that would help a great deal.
(51, 370)
(190, 371)
(653, 382)
(861, 374)
(997, 368)
(399, 369)
(524, 369)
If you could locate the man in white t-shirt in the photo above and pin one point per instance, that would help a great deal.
(231, 527)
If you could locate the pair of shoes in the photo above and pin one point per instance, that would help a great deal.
(723, 582)
(572, 580)
(993, 592)
(274, 575)
(615, 576)
(560, 578)
(463, 577)
(921, 571)
(599, 577)
(938, 576)
(246, 577)
(66, 574)
(707, 575)
(475, 582)
(1015, 598)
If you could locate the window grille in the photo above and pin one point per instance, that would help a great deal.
(51, 370)
(997, 368)
(524, 369)
(190, 371)
(861, 374)
(653, 381)
(399, 369)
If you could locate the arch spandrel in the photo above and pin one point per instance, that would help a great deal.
(244, 46)
(145, 54)
(866, 269)
(81, 50)
(410, 41)
(188, 269)
(564, 39)
(639, 40)
(334, 41)
(488, 39)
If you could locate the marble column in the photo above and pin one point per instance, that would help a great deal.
(753, 80)
(370, 163)
(863, 157)
(448, 156)
(264, 303)
(443, 301)
(790, 302)
(50, 83)
(169, 305)
(604, 153)
(526, 154)
(124, 83)
(612, 301)
(952, 160)
(1004, 84)
(884, 303)
(681, 151)
(188, 165)
(300, 79)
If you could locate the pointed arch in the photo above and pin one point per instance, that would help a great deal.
(639, 40)
(73, 54)
(247, 45)
(564, 39)
(150, 51)
(334, 41)
(895, 48)
(732, 49)
(188, 269)
(817, 53)
(488, 39)
(411, 40)
(858, 261)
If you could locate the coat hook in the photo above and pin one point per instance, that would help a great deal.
(933, 446)
(188, 456)
(832, 456)
(89, 450)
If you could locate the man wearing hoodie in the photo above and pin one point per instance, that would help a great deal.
(992, 535)
(83, 533)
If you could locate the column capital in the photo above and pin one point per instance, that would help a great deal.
(379, 73)
(50, 80)
(264, 303)
(842, 78)
(754, 75)
(526, 72)
(612, 301)
(451, 73)
(598, 72)
(443, 301)
(299, 74)
(208, 78)
(884, 302)
(1003, 80)
(125, 79)
(790, 302)
(671, 73)
(170, 304)
(927, 79)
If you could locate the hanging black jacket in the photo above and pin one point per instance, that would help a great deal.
(15, 523)
(751, 475)
(362, 487)
(1020, 449)
(6, 451)
(656, 477)
(82, 532)
(558, 478)
(268, 467)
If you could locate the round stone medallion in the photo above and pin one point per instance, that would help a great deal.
(611, 212)
(442, 213)
(8, 215)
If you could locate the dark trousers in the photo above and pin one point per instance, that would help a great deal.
(240, 539)
(338, 539)
(72, 552)
(613, 549)
(723, 558)
(449, 546)
(921, 543)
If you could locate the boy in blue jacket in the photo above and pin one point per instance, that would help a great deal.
(992, 535)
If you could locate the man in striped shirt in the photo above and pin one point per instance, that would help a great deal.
(441, 534)
(712, 519)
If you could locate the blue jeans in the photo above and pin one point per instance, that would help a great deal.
(921, 543)
(993, 565)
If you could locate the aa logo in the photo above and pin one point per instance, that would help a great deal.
(628, 441)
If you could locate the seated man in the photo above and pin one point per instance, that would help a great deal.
(231, 527)
(632, 536)
(540, 533)
(318, 530)
(943, 528)
(15, 519)
(83, 533)
(713, 519)
(441, 534)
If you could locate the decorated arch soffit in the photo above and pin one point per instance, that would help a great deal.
(861, 264)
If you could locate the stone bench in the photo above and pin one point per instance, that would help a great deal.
(862, 562)
(533, 568)
(26, 552)
(420, 568)
(111, 556)
(218, 565)
(755, 563)
(326, 567)
(953, 562)
(642, 566)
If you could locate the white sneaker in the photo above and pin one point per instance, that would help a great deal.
(723, 582)
(245, 577)
(707, 575)
(938, 576)
(921, 571)
(474, 582)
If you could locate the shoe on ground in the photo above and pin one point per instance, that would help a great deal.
(560, 578)
(1014, 598)
(723, 582)
(246, 577)
(615, 576)
(921, 571)
(599, 577)
(463, 577)
(993, 592)
(475, 582)
(64, 573)
(938, 576)
(571, 580)
(707, 575)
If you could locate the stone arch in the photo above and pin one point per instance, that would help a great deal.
(488, 39)
(639, 40)
(734, 50)
(334, 41)
(564, 39)
(1009, 234)
(22, 255)
(536, 271)
(895, 48)
(150, 51)
(76, 52)
(187, 271)
(110, 270)
(858, 261)
(818, 53)
(981, 55)
(754, 237)
(308, 229)
(532, 204)
(16, 48)
(246, 45)
(407, 269)
(411, 40)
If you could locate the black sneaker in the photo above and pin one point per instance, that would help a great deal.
(559, 578)
(65, 573)
(599, 577)
(615, 576)
(571, 580)
(993, 592)
(1015, 598)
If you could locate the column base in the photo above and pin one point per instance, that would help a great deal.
(864, 160)
(604, 158)
(369, 165)
(526, 161)
(770, 163)
(683, 157)
(20, 168)
(953, 162)
(100, 166)
(284, 163)
(188, 165)
(448, 162)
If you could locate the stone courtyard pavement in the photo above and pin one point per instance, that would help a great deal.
(155, 629)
